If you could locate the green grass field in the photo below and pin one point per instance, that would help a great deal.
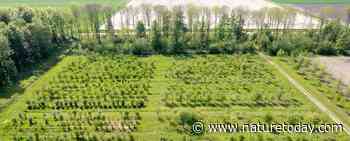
(144, 98)
(58, 3)
(312, 1)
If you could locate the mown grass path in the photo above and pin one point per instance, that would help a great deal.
(313, 99)
(150, 123)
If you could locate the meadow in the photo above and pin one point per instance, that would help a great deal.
(313, 1)
(158, 98)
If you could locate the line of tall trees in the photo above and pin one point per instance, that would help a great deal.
(28, 36)
(224, 30)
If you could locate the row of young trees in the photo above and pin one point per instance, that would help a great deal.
(28, 36)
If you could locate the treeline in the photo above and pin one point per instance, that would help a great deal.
(216, 30)
(28, 36)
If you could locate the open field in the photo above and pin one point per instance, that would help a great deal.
(58, 3)
(312, 1)
(333, 11)
(339, 67)
(131, 98)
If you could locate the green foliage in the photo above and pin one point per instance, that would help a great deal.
(326, 48)
(140, 30)
(8, 69)
(40, 38)
(188, 118)
(156, 42)
(5, 16)
(207, 81)
(178, 31)
(142, 47)
(343, 43)
(280, 45)
(32, 35)
(332, 31)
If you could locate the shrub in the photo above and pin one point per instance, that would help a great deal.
(216, 48)
(141, 47)
(283, 45)
(188, 118)
(247, 47)
(326, 48)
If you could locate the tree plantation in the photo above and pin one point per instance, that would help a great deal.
(68, 74)
(114, 98)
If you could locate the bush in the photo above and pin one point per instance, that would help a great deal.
(247, 47)
(216, 48)
(326, 48)
(228, 47)
(141, 47)
(188, 118)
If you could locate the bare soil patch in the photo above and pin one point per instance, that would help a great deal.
(339, 67)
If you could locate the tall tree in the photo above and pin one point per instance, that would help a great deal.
(156, 40)
(178, 30)
(94, 12)
(166, 21)
(17, 43)
(8, 69)
(108, 12)
(140, 30)
(40, 40)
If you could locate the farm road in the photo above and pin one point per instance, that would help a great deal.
(314, 100)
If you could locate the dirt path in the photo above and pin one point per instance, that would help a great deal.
(314, 100)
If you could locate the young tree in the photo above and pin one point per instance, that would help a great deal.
(94, 12)
(5, 16)
(8, 69)
(156, 41)
(166, 19)
(178, 30)
(140, 30)
(17, 43)
(25, 13)
(222, 28)
(40, 40)
(343, 43)
(108, 12)
(147, 11)
(77, 17)
(192, 13)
